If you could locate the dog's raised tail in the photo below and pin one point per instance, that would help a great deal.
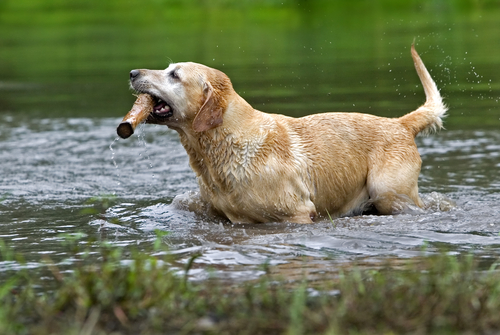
(427, 117)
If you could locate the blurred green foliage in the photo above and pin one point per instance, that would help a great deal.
(72, 58)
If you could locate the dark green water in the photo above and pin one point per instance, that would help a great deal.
(64, 87)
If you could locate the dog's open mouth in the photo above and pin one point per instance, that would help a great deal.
(162, 109)
(146, 108)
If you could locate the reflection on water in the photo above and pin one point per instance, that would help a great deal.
(53, 168)
(72, 59)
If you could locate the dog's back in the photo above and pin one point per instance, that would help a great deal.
(355, 160)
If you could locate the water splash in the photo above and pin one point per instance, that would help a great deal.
(114, 160)
(141, 138)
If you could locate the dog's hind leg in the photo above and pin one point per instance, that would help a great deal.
(393, 185)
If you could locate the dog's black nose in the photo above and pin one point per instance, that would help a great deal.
(134, 74)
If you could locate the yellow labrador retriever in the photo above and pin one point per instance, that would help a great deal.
(258, 167)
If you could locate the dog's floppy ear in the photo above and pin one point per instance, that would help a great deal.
(211, 112)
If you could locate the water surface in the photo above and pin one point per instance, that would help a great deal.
(63, 91)
(48, 190)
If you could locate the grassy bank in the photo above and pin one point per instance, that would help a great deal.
(135, 293)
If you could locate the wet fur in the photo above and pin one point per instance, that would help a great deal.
(257, 167)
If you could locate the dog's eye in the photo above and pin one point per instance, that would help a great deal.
(174, 75)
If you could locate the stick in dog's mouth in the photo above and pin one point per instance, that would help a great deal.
(143, 106)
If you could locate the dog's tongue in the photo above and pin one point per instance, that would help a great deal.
(140, 111)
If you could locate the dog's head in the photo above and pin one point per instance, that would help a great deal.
(187, 95)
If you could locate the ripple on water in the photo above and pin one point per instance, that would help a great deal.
(51, 168)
